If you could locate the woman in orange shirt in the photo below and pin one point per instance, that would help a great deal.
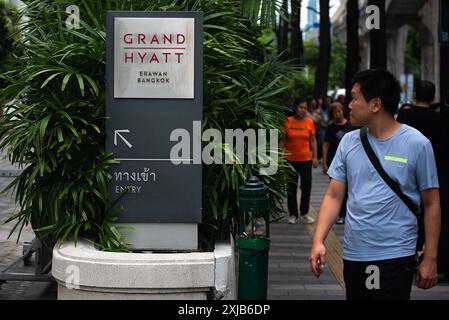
(299, 137)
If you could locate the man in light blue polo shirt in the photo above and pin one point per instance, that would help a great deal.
(380, 230)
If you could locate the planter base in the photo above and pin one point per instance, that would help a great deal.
(85, 273)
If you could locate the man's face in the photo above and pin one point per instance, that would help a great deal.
(361, 110)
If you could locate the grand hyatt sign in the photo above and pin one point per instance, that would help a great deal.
(154, 85)
(150, 64)
(154, 54)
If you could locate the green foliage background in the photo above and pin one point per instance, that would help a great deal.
(413, 52)
(302, 86)
(55, 127)
(6, 28)
(8, 22)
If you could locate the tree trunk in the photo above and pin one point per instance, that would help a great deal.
(378, 39)
(277, 31)
(352, 47)
(301, 42)
(322, 70)
(283, 25)
(295, 53)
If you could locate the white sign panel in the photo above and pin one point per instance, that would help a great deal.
(154, 58)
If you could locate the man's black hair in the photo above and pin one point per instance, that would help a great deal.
(425, 91)
(379, 83)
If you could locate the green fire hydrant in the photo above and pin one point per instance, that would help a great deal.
(254, 241)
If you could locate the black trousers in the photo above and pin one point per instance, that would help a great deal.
(379, 280)
(304, 171)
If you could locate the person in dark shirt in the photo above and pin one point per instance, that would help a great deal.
(425, 117)
(443, 254)
(422, 117)
(334, 133)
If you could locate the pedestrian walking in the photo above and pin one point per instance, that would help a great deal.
(314, 113)
(428, 120)
(381, 227)
(299, 140)
(334, 133)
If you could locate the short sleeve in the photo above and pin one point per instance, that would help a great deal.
(426, 171)
(337, 169)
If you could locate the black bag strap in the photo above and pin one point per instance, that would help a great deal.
(391, 183)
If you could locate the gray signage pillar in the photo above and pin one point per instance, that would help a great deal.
(154, 68)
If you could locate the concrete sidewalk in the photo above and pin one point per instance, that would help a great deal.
(10, 249)
(289, 275)
(22, 290)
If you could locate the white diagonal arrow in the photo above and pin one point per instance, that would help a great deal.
(117, 133)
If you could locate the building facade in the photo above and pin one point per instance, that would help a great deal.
(423, 15)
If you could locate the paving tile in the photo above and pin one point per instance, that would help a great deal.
(285, 297)
(339, 292)
(287, 287)
(328, 297)
(294, 265)
(323, 287)
(299, 281)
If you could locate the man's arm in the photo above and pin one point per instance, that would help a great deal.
(330, 207)
(427, 275)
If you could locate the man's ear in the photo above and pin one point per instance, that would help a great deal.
(376, 105)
